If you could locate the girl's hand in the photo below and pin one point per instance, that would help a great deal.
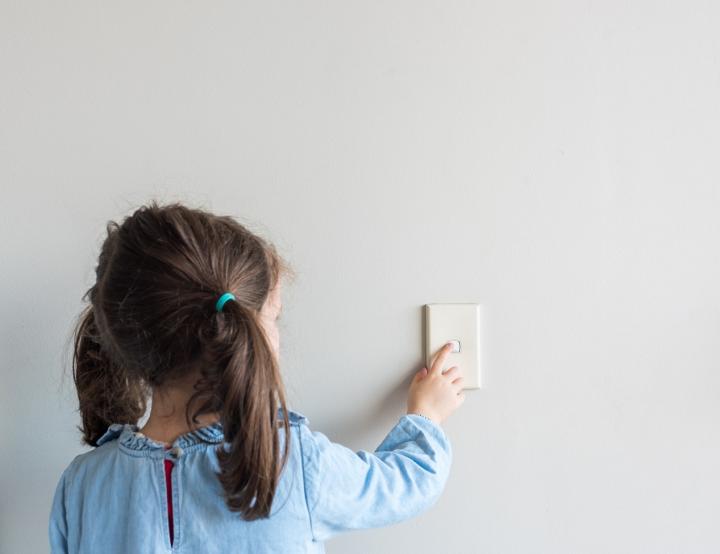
(435, 394)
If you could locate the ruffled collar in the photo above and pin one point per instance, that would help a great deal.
(130, 437)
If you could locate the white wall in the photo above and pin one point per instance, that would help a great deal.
(556, 161)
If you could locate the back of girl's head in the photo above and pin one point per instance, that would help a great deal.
(151, 320)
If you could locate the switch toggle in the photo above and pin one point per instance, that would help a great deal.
(462, 325)
(455, 346)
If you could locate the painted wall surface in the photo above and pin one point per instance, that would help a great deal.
(555, 161)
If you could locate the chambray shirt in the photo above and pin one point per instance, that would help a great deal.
(113, 499)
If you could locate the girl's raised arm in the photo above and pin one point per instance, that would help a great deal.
(348, 490)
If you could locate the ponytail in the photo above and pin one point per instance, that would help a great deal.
(105, 392)
(252, 391)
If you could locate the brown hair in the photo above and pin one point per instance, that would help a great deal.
(152, 319)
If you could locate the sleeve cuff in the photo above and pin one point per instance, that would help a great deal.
(428, 424)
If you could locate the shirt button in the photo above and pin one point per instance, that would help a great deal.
(176, 451)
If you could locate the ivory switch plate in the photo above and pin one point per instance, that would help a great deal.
(461, 322)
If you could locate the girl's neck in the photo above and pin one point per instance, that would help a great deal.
(167, 414)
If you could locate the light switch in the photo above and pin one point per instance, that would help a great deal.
(461, 324)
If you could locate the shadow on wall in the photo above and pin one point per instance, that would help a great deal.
(354, 430)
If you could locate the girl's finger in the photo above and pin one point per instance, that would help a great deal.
(451, 371)
(439, 358)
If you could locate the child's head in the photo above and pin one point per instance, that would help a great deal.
(152, 319)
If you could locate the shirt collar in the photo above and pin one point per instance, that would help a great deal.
(129, 436)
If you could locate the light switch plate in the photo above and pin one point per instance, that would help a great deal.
(461, 322)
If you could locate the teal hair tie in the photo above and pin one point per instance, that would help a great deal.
(224, 298)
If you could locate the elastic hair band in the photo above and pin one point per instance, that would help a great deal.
(224, 298)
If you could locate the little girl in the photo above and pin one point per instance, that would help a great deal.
(184, 310)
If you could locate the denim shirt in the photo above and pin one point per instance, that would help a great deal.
(113, 499)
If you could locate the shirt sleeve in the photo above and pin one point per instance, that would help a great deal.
(347, 490)
(57, 528)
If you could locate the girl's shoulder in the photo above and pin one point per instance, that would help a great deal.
(295, 417)
(126, 434)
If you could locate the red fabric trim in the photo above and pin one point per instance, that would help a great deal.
(168, 485)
